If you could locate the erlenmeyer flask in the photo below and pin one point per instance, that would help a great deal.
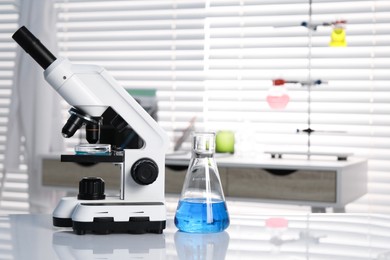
(202, 207)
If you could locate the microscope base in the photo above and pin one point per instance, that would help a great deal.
(110, 216)
(62, 222)
(108, 225)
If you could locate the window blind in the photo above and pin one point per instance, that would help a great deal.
(253, 42)
(13, 185)
(215, 60)
(144, 45)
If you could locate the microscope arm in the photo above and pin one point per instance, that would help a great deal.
(92, 90)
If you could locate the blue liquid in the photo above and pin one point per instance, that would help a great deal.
(191, 216)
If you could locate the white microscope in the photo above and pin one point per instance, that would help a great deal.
(91, 90)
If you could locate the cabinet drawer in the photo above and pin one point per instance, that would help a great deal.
(174, 178)
(69, 174)
(301, 185)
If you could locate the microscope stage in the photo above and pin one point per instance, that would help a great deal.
(113, 157)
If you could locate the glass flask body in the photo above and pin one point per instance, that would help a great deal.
(202, 207)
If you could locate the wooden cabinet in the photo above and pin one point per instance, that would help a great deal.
(68, 174)
(318, 184)
(300, 185)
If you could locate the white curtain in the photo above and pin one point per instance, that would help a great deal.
(35, 117)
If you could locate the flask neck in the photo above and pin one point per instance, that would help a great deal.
(203, 144)
(196, 154)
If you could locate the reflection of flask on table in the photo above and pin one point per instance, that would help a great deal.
(276, 226)
(202, 207)
(201, 246)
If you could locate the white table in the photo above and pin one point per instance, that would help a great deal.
(303, 236)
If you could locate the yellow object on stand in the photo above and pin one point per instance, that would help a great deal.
(338, 38)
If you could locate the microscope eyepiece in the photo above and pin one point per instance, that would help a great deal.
(34, 47)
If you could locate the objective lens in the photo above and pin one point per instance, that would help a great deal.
(72, 125)
(92, 133)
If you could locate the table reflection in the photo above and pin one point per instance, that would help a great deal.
(300, 236)
(201, 246)
(67, 246)
(311, 236)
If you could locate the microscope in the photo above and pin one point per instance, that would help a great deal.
(91, 90)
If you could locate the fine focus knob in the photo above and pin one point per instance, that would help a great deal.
(91, 188)
(144, 171)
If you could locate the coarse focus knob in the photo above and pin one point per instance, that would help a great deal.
(91, 188)
(144, 171)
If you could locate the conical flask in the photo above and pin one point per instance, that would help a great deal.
(202, 207)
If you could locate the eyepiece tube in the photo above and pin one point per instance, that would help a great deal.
(34, 47)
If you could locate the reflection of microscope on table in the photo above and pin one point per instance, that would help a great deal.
(117, 246)
(92, 91)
